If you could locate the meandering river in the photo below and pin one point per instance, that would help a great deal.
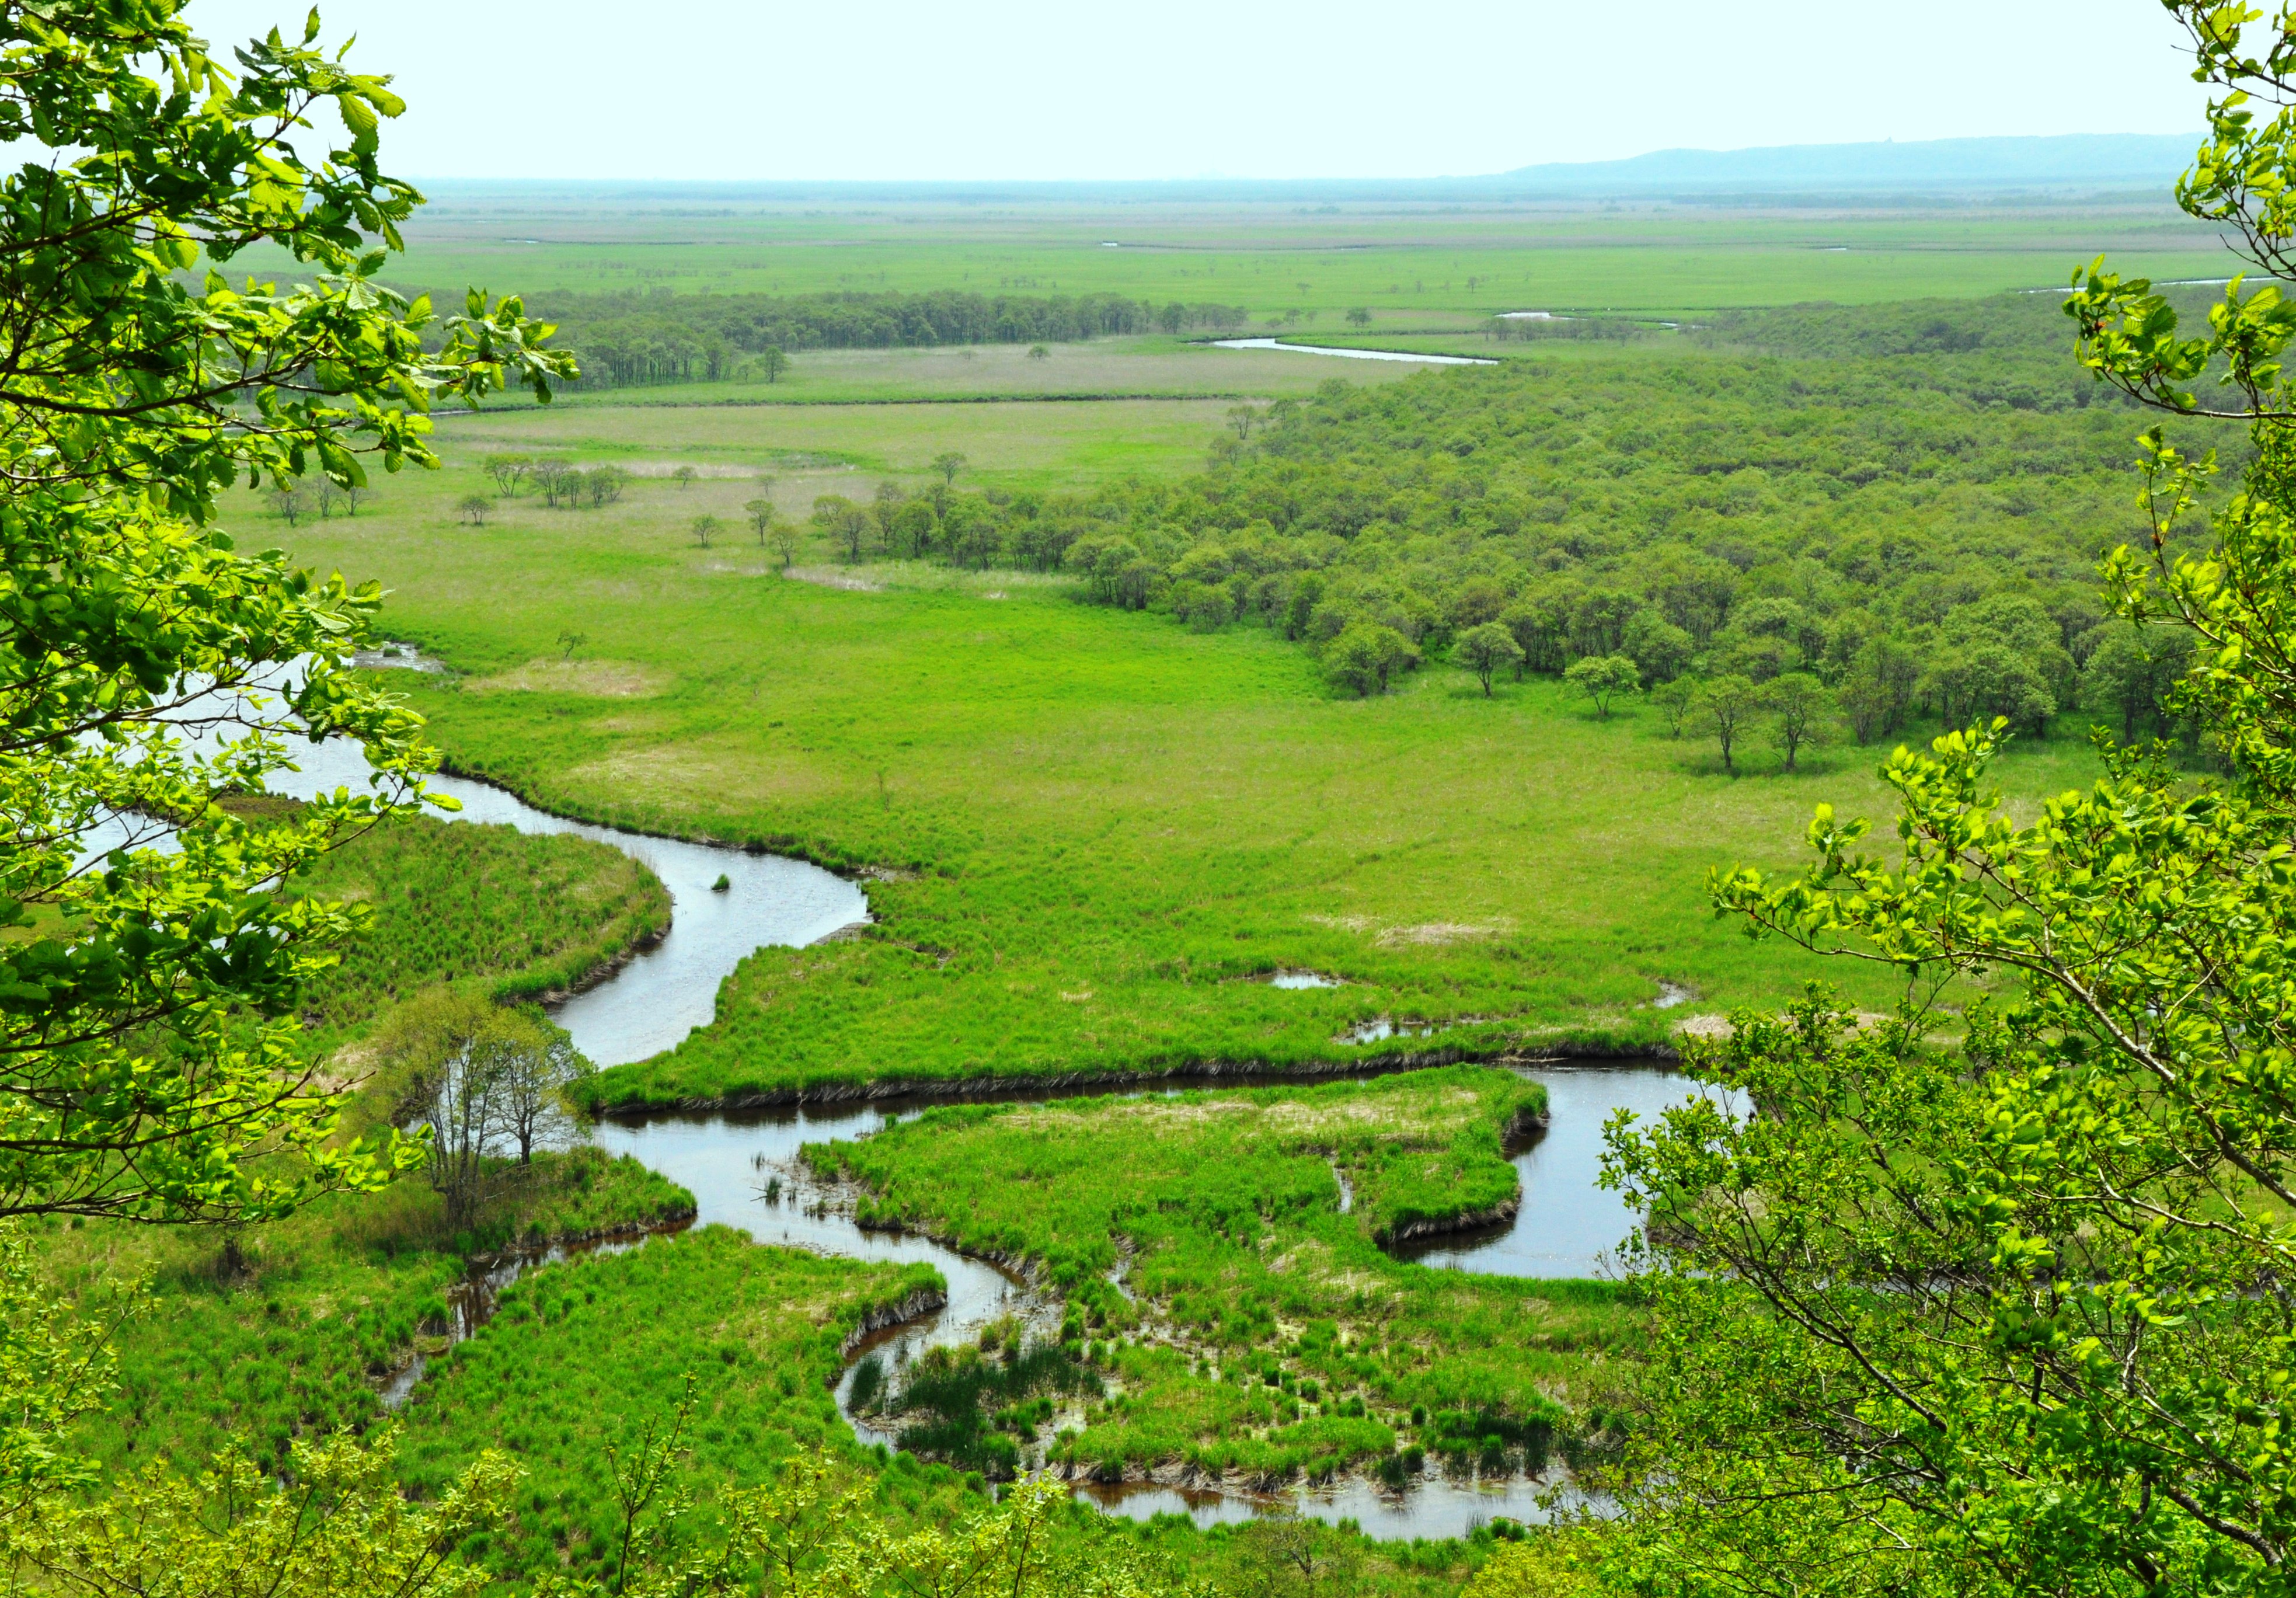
(744, 1172)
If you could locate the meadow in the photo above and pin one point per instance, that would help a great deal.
(282, 1331)
(1396, 259)
(1249, 1322)
(1095, 832)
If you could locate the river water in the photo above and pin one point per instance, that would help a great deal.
(1354, 354)
(744, 1172)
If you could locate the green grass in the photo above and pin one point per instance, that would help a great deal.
(1265, 1333)
(579, 1356)
(1111, 822)
(281, 1332)
(1401, 262)
(1105, 369)
(821, 449)
(511, 915)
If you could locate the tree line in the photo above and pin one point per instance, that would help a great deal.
(1896, 510)
(639, 339)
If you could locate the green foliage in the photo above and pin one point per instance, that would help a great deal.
(1603, 679)
(1285, 1340)
(144, 1015)
(580, 1355)
(1487, 650)
(487, 910)
(2009, 1318)
(263, 1336)
(332, 1519)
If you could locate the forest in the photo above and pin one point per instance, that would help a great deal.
(1897, 510)
(635, 340)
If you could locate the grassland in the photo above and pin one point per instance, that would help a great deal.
(510, 915)
(1398, 260)
(1014, 445)
(1108, 826)
(1116, 368)
(1260, 1331)
(580, 1355)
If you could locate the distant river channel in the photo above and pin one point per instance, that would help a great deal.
(744, 1172)
(1354, 355)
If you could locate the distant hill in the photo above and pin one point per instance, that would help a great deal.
(2067, 160)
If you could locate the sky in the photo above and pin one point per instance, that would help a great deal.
(730, 90)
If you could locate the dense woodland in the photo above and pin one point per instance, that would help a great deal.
(1899, 510)
(634, 339)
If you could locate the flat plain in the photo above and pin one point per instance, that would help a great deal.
(1398, 260)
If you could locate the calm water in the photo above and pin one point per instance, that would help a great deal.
(1356, 355)
(1568, 1226)
(743, 1170)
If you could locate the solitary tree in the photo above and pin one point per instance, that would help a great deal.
(604, 484)
(509, 471)
(1601, 678)
(1728, 704)
(1804, 709)
(537, 1063)
(569, 642)
(1485, 650)
(1360, 316)
(703, 528)
(474, 508)
(683, 477)
(1674, 702)
(948, 463)
(773, 362)
(787, 539)
(1368, 656)
(290, 501)
(1241, 418)
(761, 517)
(1038, 352)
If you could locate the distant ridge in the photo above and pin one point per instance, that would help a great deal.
(2066, 162)
(2079, 159)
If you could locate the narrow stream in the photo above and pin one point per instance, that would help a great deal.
(744, 1173)
(668, 990)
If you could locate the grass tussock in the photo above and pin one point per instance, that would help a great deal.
(1259, 1330)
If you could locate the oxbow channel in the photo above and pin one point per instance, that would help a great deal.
(1566, 1225)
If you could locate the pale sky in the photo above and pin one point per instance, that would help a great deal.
(719, 89)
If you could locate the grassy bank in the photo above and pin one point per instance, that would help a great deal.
(286, 1330)
(509, 914)
(1260, 1331)
(264, 1334)
(580, 1355)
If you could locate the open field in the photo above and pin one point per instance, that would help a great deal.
(842, 448)
(1469, 261)
(1109, 823)
(1113, 368)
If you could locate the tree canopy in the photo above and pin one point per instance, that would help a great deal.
(1992, 1295)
